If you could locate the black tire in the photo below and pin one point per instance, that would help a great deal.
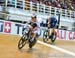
(45, 36)
(31, 44)
(53, 37)
(22, 42)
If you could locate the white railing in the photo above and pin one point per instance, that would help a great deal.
(12, 16)
(40, 8)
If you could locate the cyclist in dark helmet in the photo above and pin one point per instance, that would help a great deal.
(51, 24)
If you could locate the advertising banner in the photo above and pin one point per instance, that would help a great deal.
(8, 27)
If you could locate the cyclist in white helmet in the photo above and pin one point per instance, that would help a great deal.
(34, 25)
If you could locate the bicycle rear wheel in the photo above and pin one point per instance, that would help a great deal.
(31, 44)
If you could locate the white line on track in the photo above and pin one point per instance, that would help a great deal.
(57, 48)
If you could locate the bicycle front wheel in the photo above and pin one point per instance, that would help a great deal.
(22, 41)
(45, 36)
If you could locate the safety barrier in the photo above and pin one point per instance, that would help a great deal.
(7, 27)
(40, 8)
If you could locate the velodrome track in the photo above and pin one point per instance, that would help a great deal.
(60, 49)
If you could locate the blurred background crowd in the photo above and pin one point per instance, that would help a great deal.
(64, 4)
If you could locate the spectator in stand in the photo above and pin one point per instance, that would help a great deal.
(40, 1)
(64, 5)
(52, 1)
(34, 1)
(70, 7)
(59, 5)
(47, 2)
(55, 3)
(73, 6)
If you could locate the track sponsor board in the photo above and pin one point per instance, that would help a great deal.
(8, 27)
(65, 35)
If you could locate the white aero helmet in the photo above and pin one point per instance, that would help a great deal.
(33, 16)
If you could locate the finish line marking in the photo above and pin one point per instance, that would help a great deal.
(57, 48)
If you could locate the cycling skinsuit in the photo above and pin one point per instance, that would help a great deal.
(35, 24)
(53, 22)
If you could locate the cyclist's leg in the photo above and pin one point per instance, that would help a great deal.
(48, 26)
(34, 34)
(51, 30)
(54, 26)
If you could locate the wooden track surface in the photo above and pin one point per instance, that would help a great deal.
(9, 49)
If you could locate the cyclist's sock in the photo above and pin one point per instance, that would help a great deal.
(47, 37)
(32, 39)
